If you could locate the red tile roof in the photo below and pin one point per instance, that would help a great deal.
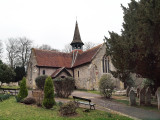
(56, 72)
(52, 58)
(48, 58)
(86, 56)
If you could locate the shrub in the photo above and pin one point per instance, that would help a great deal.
(23, 90)
(64, 86)
(48, 101)
(40, 81)
(4, 97)
(68, 109)
(18, 99)
(147, 83)
(29, 100)
(106, 86)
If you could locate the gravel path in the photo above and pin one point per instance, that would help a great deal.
(106, 105)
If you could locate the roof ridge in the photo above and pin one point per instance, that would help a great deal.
(54, 51)
(93, 48)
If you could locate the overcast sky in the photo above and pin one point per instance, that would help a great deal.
(52, 22)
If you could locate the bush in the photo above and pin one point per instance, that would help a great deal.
(147, 83)
(106, 86)
(23, 90)
(18, 99)
(64, 86)
(48, 101)
(68, 109)
(4, 97)
(29, 100)
(40, 81)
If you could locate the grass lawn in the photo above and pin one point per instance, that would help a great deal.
(14, 87)
(90, 91)
(11, 110)
(125, 100)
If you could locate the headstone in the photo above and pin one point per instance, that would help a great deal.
(148, 96)
(132, 97)
(38, 95)
(142, 96)
(158, 97)
(156, 94)
(127, 91)
(138, 90)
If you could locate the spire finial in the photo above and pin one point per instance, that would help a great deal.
(76, 19)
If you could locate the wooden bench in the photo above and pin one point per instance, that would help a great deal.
(80, 100)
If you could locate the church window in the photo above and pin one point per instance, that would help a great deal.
(62, 76)
(78, 73)
(106, 66)
(43, 72)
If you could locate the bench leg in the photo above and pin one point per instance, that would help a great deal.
(92, 106)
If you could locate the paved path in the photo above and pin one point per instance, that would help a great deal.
(104, 104)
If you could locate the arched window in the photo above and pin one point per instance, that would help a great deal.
(106, 66)
(43, 72)
(62, 76)
(78, 73)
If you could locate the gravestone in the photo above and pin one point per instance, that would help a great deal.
(138, 90)
(156, 94)
(38, 95)
(142, 96)
(127, 91)
(148, 96)
(158, 97)
(132, 98)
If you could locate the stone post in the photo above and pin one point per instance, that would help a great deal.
(142, 96)
(138, 90)
(132, 98)
(158, 97)
(127, 91)
(148, 96)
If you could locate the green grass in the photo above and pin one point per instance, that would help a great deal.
(126, 102)
(11, 110)
(14, 87)
(122, 101)
(90, 91)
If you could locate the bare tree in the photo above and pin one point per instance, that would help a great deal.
(24, 50)
(88, 45)
(18, 51)
(1, 49)
(47, 47)
(67, 48)
(12, 51)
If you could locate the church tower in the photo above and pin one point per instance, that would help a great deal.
(77, 44)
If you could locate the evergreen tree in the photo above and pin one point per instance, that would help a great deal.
(6, 73)
(23, 90)
(48, 101)
(140, 40)
(20, 73)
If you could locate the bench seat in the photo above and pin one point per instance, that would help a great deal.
(77, 101)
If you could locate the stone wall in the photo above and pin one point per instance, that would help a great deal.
(90, 74)
(82, 81)
(33, 71)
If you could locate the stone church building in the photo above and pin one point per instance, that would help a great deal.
(86, 67)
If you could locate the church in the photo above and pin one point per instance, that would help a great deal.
(86, 67)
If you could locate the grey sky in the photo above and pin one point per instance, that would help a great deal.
(53, 21)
